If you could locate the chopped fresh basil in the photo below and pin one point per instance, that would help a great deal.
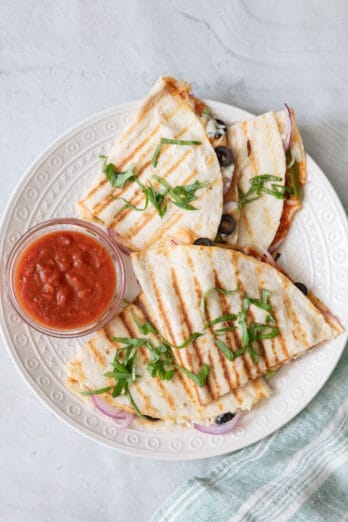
(128, 204)
(294, 180)
(260, 304)
(123, 373)
(96, 392)
(229, 354)
(117, 179)
(264, 331)
(253, 354)
(192, 338)
(223, 291)
(244, 328)
(265, 294)
(221, 319)
(144, 328)
(182, 195)
(137, 342)
(257, 185)
(169, 141)
(157, 199)
(198, 378)
(271, 373)
(221, 331)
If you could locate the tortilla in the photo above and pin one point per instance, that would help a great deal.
(169, 111)
(175, 278)
(258, 149)
(174, 400)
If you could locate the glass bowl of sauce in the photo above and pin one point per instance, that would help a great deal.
(66, 277)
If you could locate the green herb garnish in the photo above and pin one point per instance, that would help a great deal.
(162, 358)
(97, 392)
(203, 302)
(128, 204)
(182, 195)
(144, 328)
(257, 185)
(294, 178)
(271, 373)
(169, 141)
(117, 179)
(124, 372)
(229, 354)
(260, 304)
(221, 331)
(198, 378)
(220, 319)
(190, 339)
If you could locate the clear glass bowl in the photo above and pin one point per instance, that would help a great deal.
(54, 225)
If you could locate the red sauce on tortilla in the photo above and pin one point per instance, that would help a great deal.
(65, 280)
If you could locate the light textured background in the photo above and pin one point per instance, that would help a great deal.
(62, 61)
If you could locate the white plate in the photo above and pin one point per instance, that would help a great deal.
(315, 252)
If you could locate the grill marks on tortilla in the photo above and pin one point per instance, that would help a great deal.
(165, 113)
(213, 378)
(297, 331)
(231, 338)
(301, 324)
(138, 196)
(194, 346)
(97, 354)
(145, 307)
(151, 213)
(258, 149)
(145, 355)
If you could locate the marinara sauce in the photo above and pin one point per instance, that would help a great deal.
(65, 280)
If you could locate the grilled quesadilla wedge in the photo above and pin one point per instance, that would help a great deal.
(172, 400)
(266, 189)
(162, 175)
(257, 318)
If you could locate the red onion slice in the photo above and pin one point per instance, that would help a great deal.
(269, 258)
(288, 128)
(122, 424)
(220, 429)
(114, 236)
(107, 409)
(275, 247)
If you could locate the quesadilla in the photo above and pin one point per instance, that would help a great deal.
(269, 176)
(253, 318)
(171, 400)
(162, 177)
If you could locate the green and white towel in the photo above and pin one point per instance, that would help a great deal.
(298, 474)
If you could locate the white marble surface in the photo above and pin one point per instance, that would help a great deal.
(61, 61)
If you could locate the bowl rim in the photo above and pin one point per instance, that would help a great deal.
(111, 247)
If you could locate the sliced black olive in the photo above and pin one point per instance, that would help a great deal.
(153, 419)
(204, 241)
(227, 225)
(224, 155)
(302, 287)
(220, 122)
(225, 417)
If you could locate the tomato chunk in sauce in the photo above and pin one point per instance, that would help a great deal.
(65, 280)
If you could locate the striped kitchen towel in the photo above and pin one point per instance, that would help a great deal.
(298, 474)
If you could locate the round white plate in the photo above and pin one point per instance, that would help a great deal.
(315, 252)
